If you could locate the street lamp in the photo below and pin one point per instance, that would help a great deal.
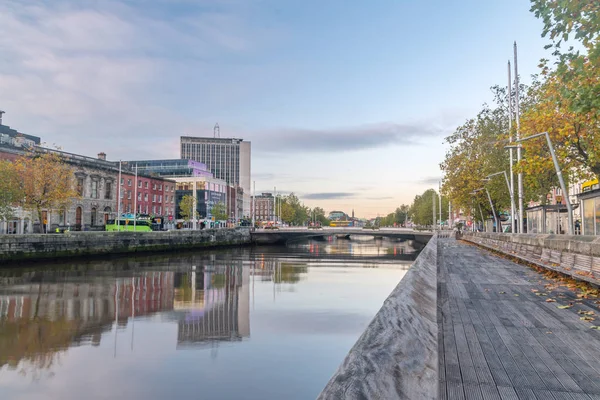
(498, 227)
(558, 173)
(512, 199)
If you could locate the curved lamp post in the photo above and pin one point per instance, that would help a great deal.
(512, 199)
(558, 173)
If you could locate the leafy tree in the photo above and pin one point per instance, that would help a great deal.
(219, 211)
(47, 181)
(575, 134)
(421, 209)
(319, 216)
(186, 207)
(562, 19)
(11, 192)
(292, 211)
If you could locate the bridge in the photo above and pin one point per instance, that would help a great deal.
(284, 235)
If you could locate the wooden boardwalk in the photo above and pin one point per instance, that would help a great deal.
(500, 339)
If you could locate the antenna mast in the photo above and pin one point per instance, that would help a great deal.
(217, 131)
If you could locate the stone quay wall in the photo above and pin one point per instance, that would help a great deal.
(397, 355)
(72, 244)
(577, 255)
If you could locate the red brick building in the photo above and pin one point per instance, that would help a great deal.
(155, 195)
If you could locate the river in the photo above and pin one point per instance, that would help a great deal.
(246, 323)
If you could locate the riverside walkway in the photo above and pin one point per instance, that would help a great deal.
(506, 331)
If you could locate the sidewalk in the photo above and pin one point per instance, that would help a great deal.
(502, 334)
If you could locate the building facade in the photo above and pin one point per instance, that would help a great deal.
(208, 192)
(263, 207)
(228, 159)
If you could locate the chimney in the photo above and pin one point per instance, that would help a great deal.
(1, 112)
(102, 156)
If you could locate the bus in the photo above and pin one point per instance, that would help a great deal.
(341, 223)
(141, 225)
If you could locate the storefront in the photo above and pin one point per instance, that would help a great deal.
(590, 212)
(551, 219)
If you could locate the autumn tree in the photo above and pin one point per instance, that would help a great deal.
(47, 182)
(186, 207)
(11, 191)
(293, 211)
(568, 99)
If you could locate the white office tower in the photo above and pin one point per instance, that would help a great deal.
(227, 158)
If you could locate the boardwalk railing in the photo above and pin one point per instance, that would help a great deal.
(397, 355)
(578, 256)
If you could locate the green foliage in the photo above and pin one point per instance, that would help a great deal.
(186, 207)
(219, 211)
(319, 215)
(421, 210)
(398, 217)
(292, 211)
(11, 192)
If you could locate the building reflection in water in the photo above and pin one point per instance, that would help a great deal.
(212, 305)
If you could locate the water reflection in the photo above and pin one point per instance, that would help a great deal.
(292, 294)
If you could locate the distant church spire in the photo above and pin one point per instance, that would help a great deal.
(353, 213)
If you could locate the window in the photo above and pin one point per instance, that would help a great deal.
(94, 213)
(154, 198)
(160, 188)
(122, 181)
(154, 186)
(129, 194)
(108, 190)
(139, 197)
(160, 198)
(94, 189)
(139, 184)
(588, 216)
(153, 209)
(145, 196)
(159, 210)
(146, 184)
(128, 182)
(80, 186)
(122, 194)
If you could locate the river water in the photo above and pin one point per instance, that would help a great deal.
(248, 323)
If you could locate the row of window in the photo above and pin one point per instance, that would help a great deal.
(94, 192)
(145, 184)
(145, 209)
(154, 197)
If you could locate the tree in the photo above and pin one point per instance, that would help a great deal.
(292, 211)
(47, 181)
(187, 206)
(561, 19)
(219, 211)
(421, 209)
(11, 191)
(575, 134)
(319, 216)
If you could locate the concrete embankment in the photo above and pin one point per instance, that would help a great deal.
(397, 355)
(577, 255)
(73, 244)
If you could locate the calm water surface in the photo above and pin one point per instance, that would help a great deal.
(252, 323)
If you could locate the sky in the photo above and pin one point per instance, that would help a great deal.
(346, 102)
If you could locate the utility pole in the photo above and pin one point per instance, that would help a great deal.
(520, 176)
(440, 200)
(433, 224)
(513, 209)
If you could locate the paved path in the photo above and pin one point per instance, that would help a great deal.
(498, 339)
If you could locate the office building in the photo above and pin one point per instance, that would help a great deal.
(227, 158)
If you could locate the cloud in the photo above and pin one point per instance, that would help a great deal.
(347, 139)
(327, 196)
(431, 180)
(88, 75)
(380, 198)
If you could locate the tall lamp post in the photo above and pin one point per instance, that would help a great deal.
(512, 199)
(558, 173)
(498, 227)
